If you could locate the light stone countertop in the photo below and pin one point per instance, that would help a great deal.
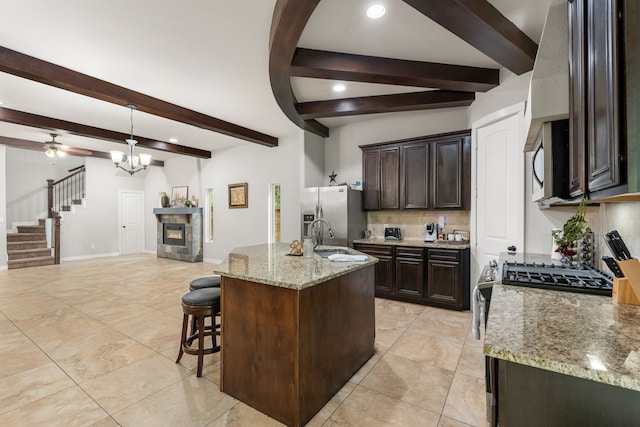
(585, 336)
(270, 264)
(440, 244)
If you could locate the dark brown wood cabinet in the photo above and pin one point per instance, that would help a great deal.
(448, 278)
(430, 276)
(597, 113)
(431, 172)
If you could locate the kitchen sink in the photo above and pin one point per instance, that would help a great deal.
(326, 252)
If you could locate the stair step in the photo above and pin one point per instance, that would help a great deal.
(41, 222)
(35, 244)
(30, 262)
(28, 253)
(76, 202)
(31, 229)
(24, 237)
(65, 208)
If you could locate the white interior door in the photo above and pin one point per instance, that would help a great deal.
(131, 222)
(500, 190)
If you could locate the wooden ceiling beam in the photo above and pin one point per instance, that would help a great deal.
(56, 125)
(481, 25)
(372, 69)
(427, 100)
(289, 20)
(29, 67)
(39, 146)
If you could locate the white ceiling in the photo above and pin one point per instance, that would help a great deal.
(210, 56)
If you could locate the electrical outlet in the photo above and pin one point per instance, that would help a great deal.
(92, 246)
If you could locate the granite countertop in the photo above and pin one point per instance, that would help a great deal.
(441, 244)
(270, 264)
(585, 336)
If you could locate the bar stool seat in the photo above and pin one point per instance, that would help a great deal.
(205, 282)
(197, 306)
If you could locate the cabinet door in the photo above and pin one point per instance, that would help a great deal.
(371, 178)
(415, 176)
(390, 178)
(384, 271)
(577, 98)
(449, 174)
(603, 169)
(410, 272)
(444, 278)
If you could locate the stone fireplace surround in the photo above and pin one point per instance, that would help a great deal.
(192, 219)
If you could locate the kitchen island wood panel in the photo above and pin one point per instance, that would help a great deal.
(287, 348)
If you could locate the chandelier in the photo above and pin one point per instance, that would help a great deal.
(132, 160)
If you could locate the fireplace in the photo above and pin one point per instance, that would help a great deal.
(173, 234)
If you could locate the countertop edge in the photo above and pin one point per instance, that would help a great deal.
(439, 244)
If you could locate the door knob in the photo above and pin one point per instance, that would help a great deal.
(124, 226)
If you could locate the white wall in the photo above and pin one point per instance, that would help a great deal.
(512, 90)
(342, 152)
(3, 208)
(313, 165)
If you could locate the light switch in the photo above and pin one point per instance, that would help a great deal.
(1, 219)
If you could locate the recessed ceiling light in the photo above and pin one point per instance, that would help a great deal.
(173, 140)
(339, 88)
(376, 11)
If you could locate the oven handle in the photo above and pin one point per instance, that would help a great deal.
(478, 312)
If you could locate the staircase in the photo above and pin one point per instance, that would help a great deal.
(28, 247)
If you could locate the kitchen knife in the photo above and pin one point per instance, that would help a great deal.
(612, 247)
(613, 266)
(625, 249)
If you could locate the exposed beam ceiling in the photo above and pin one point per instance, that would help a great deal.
(427, 100)
(371, 69)
(31, 68)
(477, 22)
(51, 124)
(481, 25)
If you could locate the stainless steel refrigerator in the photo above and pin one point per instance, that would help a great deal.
(340, 206)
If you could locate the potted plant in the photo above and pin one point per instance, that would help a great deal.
(572, 231)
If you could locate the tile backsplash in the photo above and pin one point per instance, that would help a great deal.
(412, 223)
(625, 218)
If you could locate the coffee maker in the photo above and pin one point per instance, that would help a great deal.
(430, 232)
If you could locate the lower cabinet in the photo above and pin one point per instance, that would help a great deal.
(430, 276)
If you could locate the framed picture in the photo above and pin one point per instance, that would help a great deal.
(238, 195)
(464, 234)
(179, 195)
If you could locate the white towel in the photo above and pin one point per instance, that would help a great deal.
(346, 258)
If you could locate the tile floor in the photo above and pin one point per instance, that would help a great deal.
(93, 343)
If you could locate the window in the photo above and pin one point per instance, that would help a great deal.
(274, 214)
(209, 214)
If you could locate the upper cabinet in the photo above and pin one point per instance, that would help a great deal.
(431, 172)
(598, 115)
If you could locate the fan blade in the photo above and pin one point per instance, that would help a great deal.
(75, 151)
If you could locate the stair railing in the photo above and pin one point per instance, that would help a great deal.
(61, 194)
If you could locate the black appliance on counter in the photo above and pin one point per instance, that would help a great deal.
(392, 233)
(582, 279)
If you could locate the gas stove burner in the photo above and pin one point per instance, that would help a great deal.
(583, 279)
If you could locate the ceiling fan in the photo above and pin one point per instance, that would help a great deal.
(54, 149)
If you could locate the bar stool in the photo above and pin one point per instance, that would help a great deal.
(199, 305)
(205, 282)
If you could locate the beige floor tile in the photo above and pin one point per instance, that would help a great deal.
(67, 345)
(132, 383)
(30, 385)
(242, 415)
(455, 330)
(106, 422)
(435, 351)
(190, 402)
(379, 351)
(19, 354)
(415, 382)
(367, 408)
(71, 407)
(110, 356)
(70, 324)
(448, 422)
(17, 315)
(330, 407)
(472, 361)
(466, 401)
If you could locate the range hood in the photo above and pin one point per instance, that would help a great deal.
(549, 88)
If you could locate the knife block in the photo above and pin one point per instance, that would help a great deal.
(626, 290)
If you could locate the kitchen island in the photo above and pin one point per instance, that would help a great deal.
(563, 359)
(294, 330)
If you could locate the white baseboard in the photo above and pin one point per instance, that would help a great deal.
(83, 257)
(212, 260)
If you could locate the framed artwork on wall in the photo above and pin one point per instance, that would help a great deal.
(179, 195)
(238, 195)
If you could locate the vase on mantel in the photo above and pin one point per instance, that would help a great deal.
(164, 200)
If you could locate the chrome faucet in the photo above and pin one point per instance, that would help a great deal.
(313, 233)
